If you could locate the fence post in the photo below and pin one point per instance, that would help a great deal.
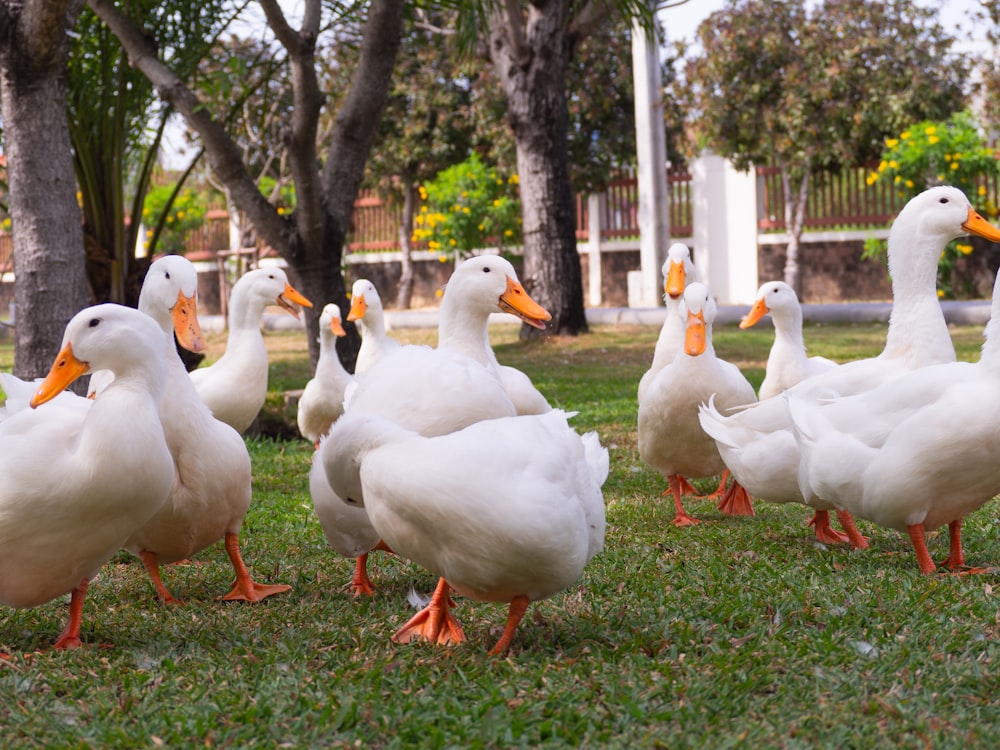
(595, 210)
(725, 228)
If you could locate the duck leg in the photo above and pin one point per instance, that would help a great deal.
(681, 518)
(515, 613)
(956, 556)
(916, 532)
(361, 584)
(245, 589)
(434, 622)
(153, 568)
(70, 637)
(853, 535)
(720, 491)
(825, 533)
(736, 501)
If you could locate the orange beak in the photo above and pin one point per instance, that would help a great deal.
(977, 225)
(694, 336)
(337, 328)
(64, 371)
(758, 311)
(674, 283)
(516, 301)
(358, 308)
(186, 326)
(288, 296)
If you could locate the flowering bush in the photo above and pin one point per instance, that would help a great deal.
(186, 213)
(939, 153)
(468, 206)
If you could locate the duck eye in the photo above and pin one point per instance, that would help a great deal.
(94, 322)
(942, 200)
(167, 275)
(486, 269)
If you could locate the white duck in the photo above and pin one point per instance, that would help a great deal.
(788, 363)
(508, 510)
(211, 491)
(235, 386)
(757, 443)
(678, 271)
(489, 284)
(366, 311)
(322, 400)
(670, 437)
(77, 484)
(430, 391)
(912, 454)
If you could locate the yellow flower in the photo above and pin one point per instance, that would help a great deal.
(933, 139)
(940, 178)
(465, 210)
(496, 203)
(453, 242)
(891, 142)
(441, 259)
(513, 179)
(940, 293)
(893, 164)
(423, 196)
(963, 248)
(433, 245)
(882, 165)
(954, 165)
(481, 227)
(871, 179)
(930, 130)
(897, 179)
(909, 183)
(180, 214)
(904, 135)
(508, 233)
(982, 190)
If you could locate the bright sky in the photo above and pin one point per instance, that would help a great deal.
(681, 21)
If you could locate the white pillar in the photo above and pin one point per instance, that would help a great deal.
(651, 153)
(725, 228)
(595, 210)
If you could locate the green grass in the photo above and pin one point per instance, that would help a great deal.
(740, 632)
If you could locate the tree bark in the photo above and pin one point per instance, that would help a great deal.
(311, 241)
(795, 212)
(405, 294)
(530, 52)
(49, 263)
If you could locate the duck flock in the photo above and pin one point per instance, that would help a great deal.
(153, 460)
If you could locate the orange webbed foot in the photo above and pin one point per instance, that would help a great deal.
(824, 532)
(245, 589)
(736, 502)
(361, 584)
(433, 623)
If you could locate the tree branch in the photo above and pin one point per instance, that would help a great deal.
(223, 155)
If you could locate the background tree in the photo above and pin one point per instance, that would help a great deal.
(48, 242)
(117, 124)
(311, 239)
(811, 94)
(530, 45)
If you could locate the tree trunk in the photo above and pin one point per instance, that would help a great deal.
(530, 53)
(795, 212)
(51, 281)
(312, 241)
(405, 294)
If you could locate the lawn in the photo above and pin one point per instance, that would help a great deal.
(739, 632)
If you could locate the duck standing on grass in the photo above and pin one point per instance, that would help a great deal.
(506, 510)
(235, 386)
(758, 444)
(431, 391)
(787, 363)
(212, 489)
(912, 454)
(671, 439)
(322, 400)
(78, 482)
(366, 311)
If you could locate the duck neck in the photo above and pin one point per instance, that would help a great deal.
(917, 329)
(465, 329)
(788, 331)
